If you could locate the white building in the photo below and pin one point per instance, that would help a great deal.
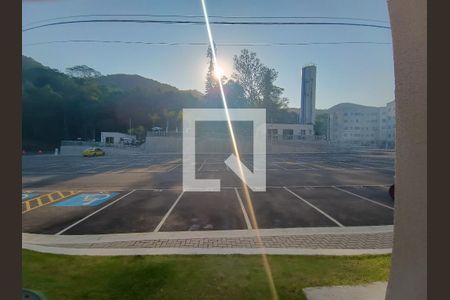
(355, 124)
(116, 138)
(387, 126)
(289, 131)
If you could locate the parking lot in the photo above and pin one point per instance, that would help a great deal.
(143, 193)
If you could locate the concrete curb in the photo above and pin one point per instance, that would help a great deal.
(371, 291)
(201, 251)
(216, 242)
(43, 239)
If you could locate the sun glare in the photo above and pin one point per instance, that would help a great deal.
(218, 72)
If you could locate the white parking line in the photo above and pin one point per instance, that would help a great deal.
(320, 167)
(173, 168)
(247, 220)
(168, 213)
(95, 212)
(365, 166)
(364, 198)
(278, 164)
(93, 169)
(201, 166)
(315, 207)
(301, 167)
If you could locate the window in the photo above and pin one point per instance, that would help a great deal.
(288, 134)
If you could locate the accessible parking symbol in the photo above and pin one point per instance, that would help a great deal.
(87, 199)
(28, 195)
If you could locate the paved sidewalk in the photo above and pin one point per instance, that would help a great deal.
(372, 291)
(325, 241)
(321, 241)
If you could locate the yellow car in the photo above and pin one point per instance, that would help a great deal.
(93, 152)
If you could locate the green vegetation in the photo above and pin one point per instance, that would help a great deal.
(57, 106)
(252, 84)
(192, 277)
(321, 124)
(81, 103)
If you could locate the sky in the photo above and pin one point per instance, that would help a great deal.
(357, 73)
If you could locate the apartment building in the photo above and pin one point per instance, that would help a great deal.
(355, 124)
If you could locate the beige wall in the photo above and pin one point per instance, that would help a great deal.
(222, 145)
(297, 128)
(408, 279)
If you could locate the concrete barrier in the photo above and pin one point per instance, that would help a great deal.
(78, 149)
(222, 145)
(215, 145)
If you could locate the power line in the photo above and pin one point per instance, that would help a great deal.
(200, 16)
(205, 44)
(140, 21)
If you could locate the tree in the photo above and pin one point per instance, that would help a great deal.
(154, 119)
(321, 124)
(139, 132)
(179, 120)
(271, 94)
(258, 83)
(83, 71)
(169, 116)
(248, 74)
(235, 94)
(211, 80)
(58, 107)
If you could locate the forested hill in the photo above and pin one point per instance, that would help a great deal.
(57, 106)
(82, 103)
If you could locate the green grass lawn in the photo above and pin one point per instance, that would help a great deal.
(61, 277)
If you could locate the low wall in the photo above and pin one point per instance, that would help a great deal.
(245, 146)
(78, 149)
(162, 144)
(211, 145)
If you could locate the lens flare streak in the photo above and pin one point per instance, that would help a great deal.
(265, 261)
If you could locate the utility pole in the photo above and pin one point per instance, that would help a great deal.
(129, 131)
(329, 127)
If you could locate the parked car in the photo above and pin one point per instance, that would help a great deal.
(392, 192)
(93, 152)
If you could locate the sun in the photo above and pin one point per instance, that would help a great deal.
(218, 72)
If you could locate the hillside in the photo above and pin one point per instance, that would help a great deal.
(29, 63)
(129, 82)
(57, 106)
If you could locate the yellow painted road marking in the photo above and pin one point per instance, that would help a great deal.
(51, 198)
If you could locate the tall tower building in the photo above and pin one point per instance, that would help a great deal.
(308, 98)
